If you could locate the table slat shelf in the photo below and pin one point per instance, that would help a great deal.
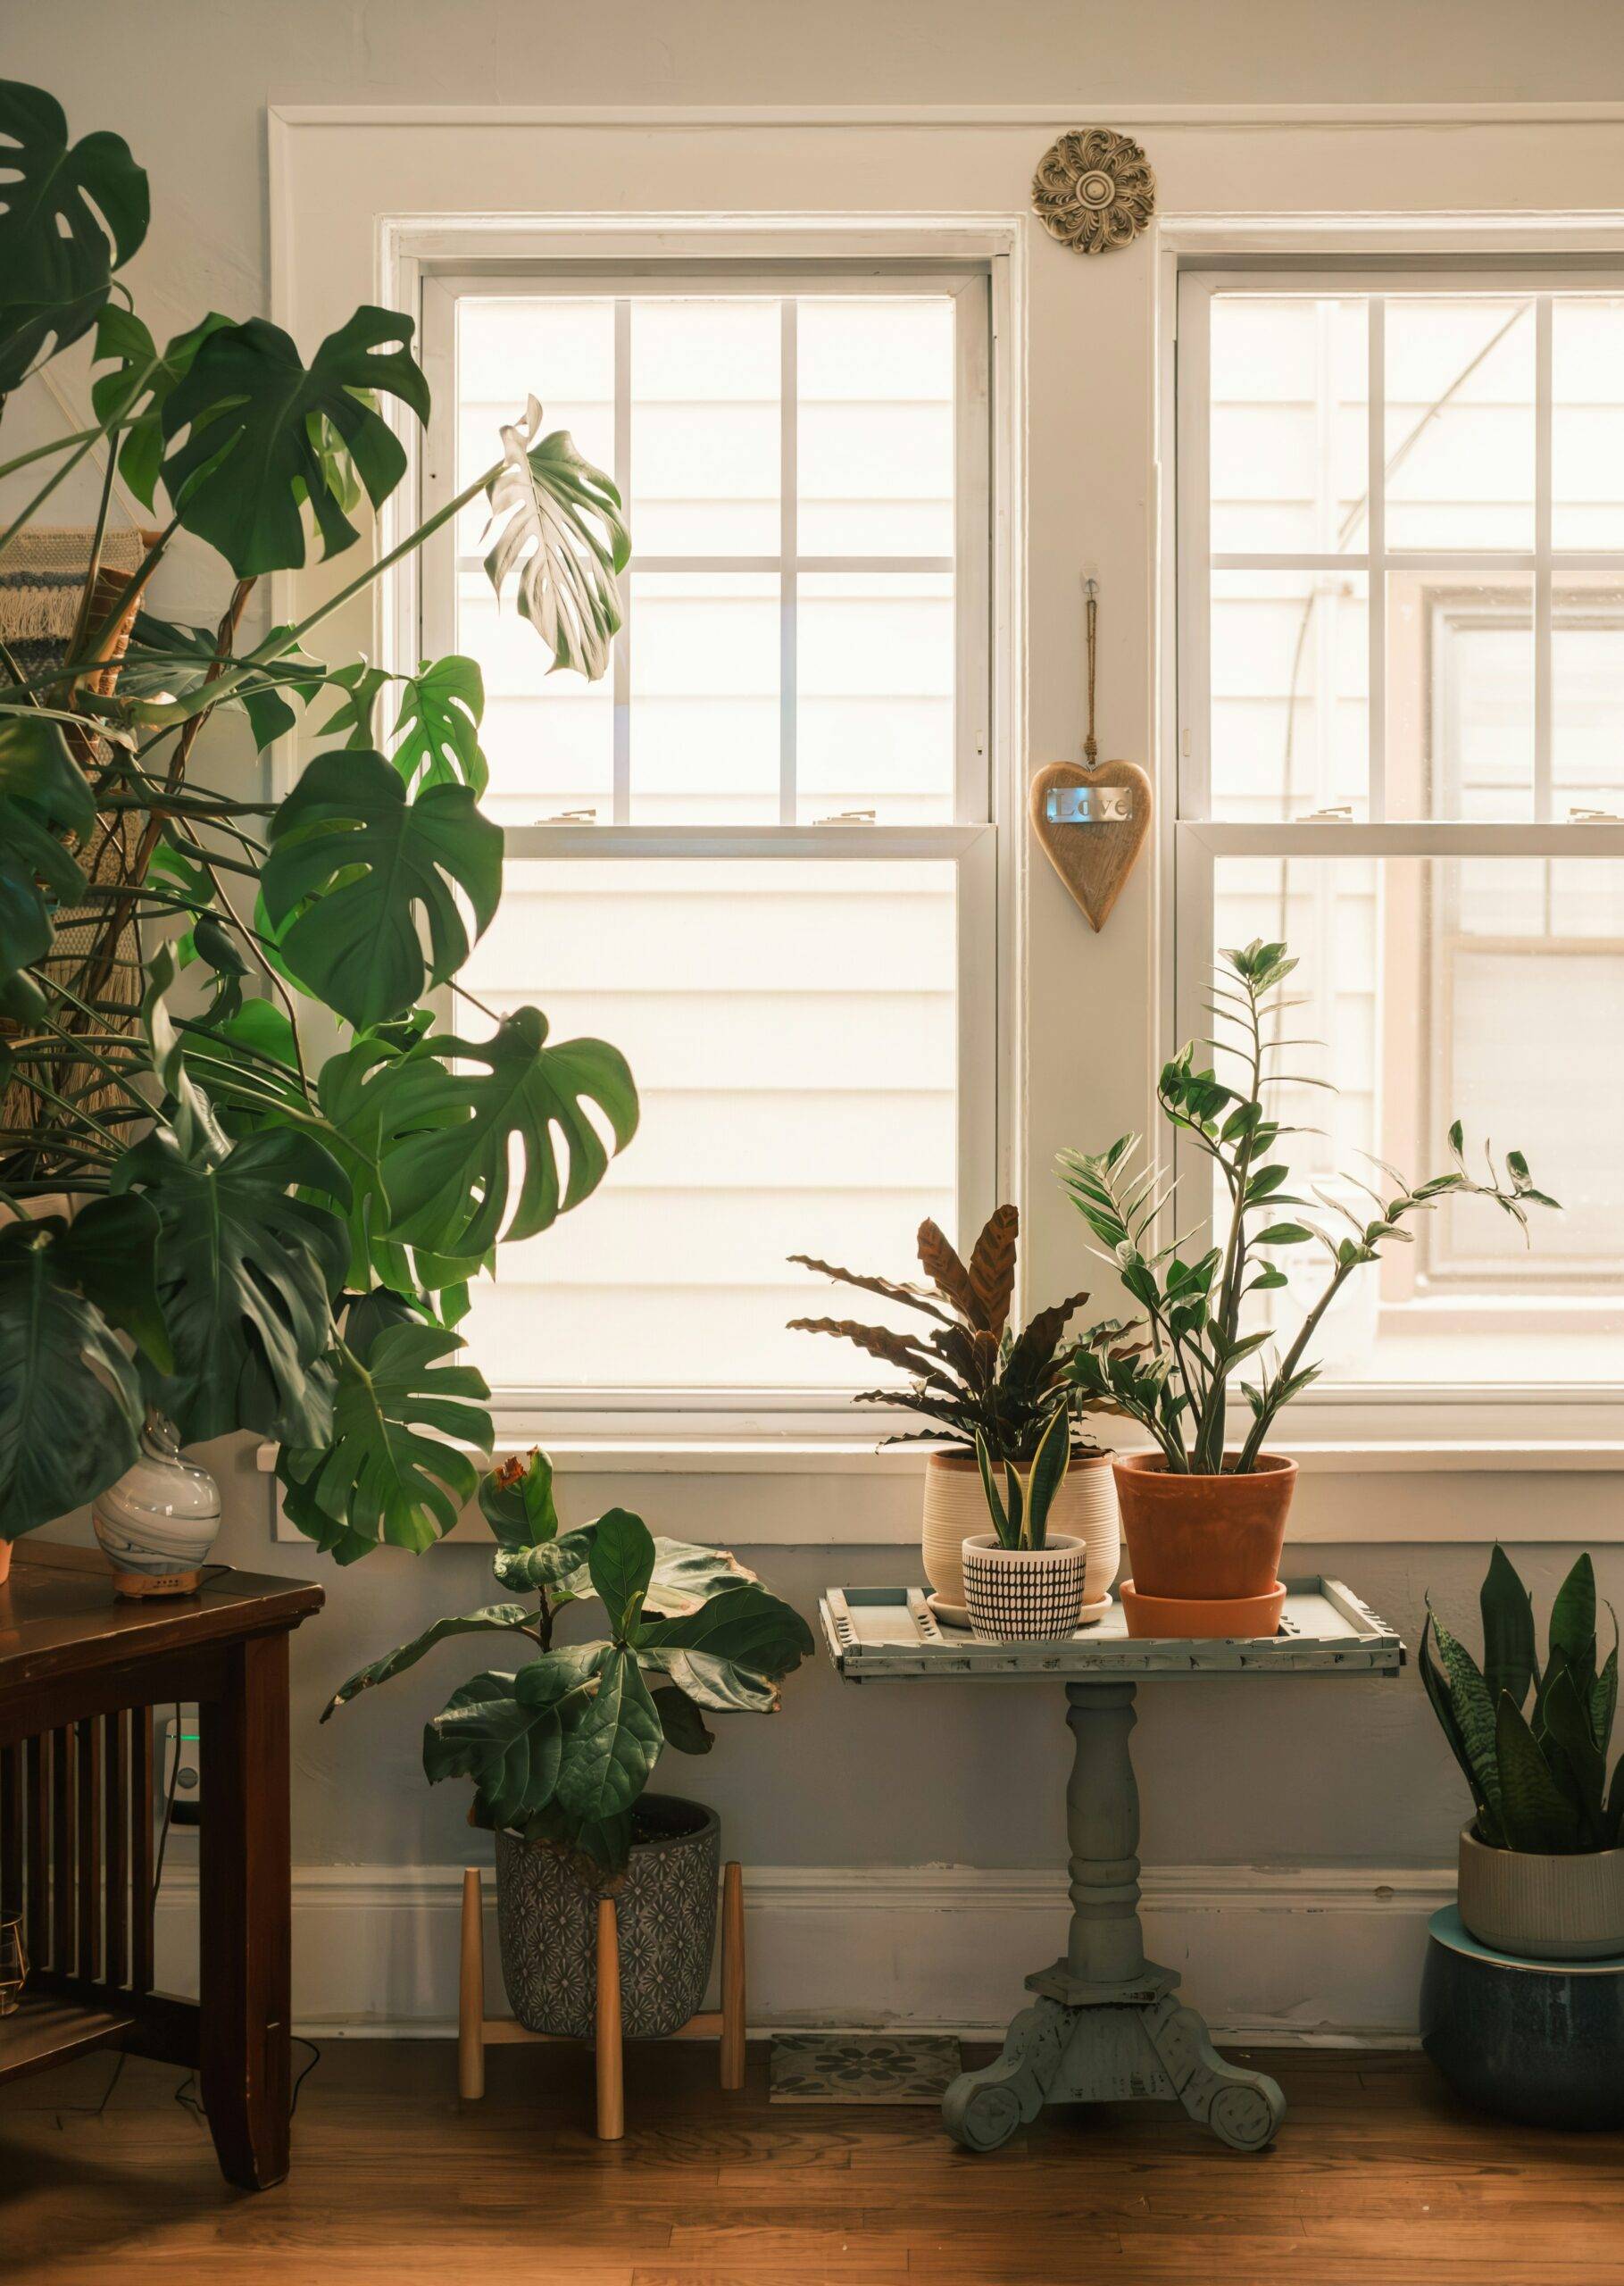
(45, 2030)
(875, 1633)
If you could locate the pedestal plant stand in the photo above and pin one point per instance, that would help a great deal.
(1106, 2024)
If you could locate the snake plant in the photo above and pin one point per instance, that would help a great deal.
(1532, 1744)
(1020, 1519)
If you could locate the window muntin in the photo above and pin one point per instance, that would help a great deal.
(805, 464)
(1400, 639)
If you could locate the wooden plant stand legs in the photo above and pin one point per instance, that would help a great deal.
(1105, 2025)
(476, 2031)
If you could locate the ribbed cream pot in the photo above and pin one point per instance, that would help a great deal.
(956, 1510)
(1543, 1909)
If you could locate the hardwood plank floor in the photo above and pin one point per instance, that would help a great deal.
(1378, 2176)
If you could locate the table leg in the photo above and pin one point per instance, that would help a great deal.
(244, 1900)
(1105, 2026)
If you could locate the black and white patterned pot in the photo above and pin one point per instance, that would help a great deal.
(1024, 1595)
(546, 1923)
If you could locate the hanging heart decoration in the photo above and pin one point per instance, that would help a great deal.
(1093, 859)
(1092, 817)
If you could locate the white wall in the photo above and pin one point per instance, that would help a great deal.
(1343, 1775)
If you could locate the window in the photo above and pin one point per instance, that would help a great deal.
(758, 856)
(1400, 665)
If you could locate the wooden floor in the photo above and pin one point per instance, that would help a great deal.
(1378, 2175)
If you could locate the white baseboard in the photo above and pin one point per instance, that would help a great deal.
(1310, 1955)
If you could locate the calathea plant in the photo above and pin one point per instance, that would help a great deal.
(1536, 1767)
(1176, 1383)
(560, 1747)
(220, 1214)
(972, 1374)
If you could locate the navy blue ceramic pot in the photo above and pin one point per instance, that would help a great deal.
(1539, 2041)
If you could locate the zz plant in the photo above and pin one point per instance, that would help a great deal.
(261, 1213)
(1532, 1744)
(1175, 1383)
(561, 1747)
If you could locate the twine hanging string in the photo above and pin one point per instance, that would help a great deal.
(1091, 746)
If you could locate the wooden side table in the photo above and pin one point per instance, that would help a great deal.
(1104, 2025)
(80, 1672)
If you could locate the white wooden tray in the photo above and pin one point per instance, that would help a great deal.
(884, 1632)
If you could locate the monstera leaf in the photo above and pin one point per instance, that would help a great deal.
(247, 446)
(70, 214)
(70, 1404)
(139, 386)
(43, 793)
(448, 1136)
(437, 728)
(562, 533)
(382, 1477)
(353, 861)
(246, 1273)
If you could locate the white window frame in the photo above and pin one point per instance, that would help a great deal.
(421, 624)
(1193, 840)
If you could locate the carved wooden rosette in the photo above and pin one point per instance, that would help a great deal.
(1094, 189)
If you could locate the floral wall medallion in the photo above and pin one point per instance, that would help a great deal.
(1094, 189)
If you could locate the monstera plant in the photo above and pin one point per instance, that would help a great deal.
(255, 1201)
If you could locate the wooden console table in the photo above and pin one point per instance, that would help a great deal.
(1105, 2024)
(80, 1673)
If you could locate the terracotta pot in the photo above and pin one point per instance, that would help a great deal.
(5, 1560)
(1543, 1909)
(1200, 1537)
(956, 1510)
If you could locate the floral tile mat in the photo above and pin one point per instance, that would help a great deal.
(863, 2067)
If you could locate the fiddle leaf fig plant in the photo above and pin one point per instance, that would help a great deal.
(255, 1199)
(1532, 1743)
(560, 1747)
(1176, 1382)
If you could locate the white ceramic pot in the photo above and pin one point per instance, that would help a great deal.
(1568, 1909)
(955, 1511)
(1023, 1595)
(158, 1523)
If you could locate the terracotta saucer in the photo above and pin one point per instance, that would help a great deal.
(1202, 1618)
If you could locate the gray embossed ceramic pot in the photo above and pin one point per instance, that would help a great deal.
(546, 1923)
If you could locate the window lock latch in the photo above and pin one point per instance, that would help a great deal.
(1593, 817)
(1339, 814)
(847, 817)
(570, 817)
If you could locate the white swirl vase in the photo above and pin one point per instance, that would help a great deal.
(158, 1523)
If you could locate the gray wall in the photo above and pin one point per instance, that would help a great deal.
(1233, 1771)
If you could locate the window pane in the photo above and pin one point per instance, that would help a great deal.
(792, 1029)
(705, 427)
(875, 438)
(1289, 676)
(704, 696)
(549, 739)
(1478, 990)
(1587, 693)
(1289, 424)
(1586, 421)
(1460, 423)
(875, 679)
(1460, 696)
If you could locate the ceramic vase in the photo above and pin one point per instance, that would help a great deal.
(1544, 1908)
(1085, 1509)
(158, 1523)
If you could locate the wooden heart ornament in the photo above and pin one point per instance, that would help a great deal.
(1093, 858)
